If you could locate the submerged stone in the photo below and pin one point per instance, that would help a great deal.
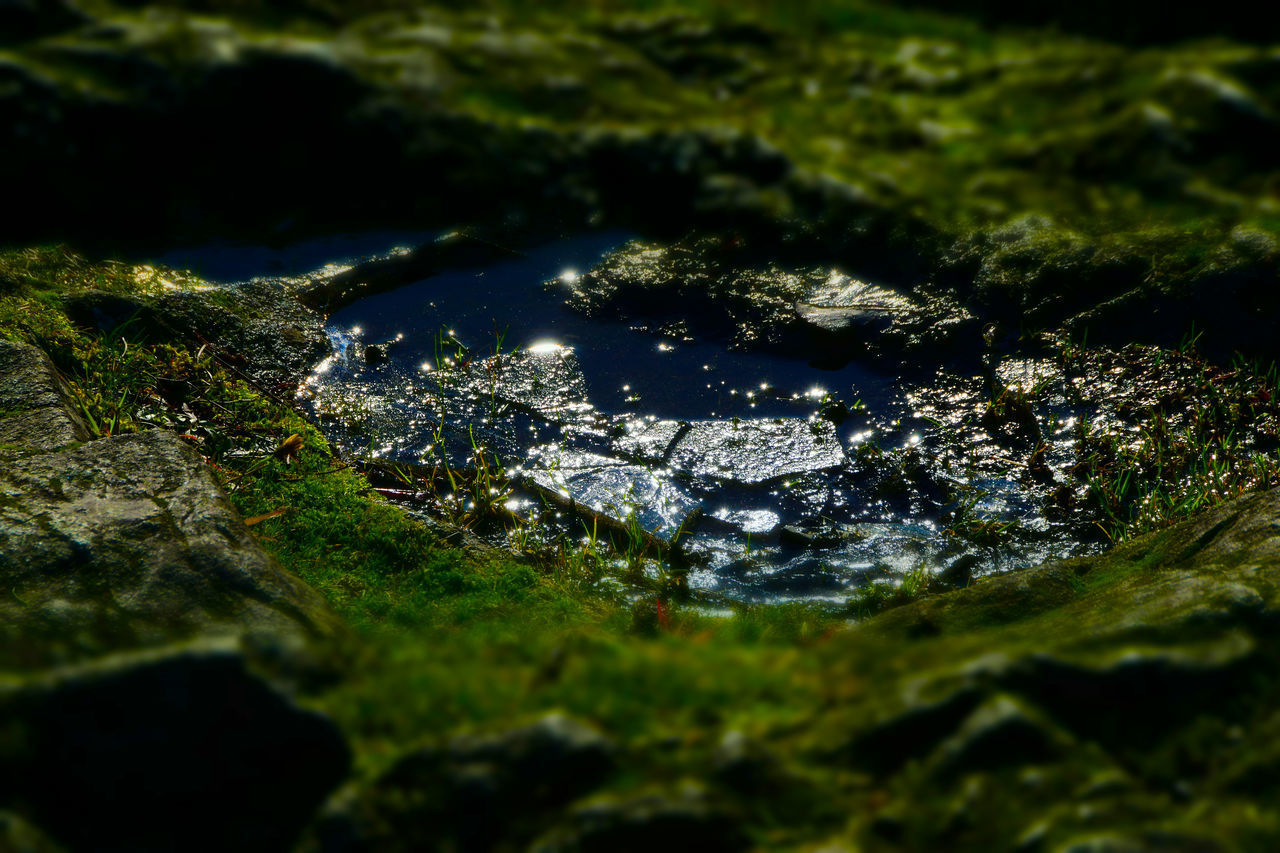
(762, 523)
(757, 450)
(649, 440)
(546, 381)
(615, 488)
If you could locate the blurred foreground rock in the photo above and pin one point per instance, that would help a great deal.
(148, 643)
(472, 792)
(181, 748)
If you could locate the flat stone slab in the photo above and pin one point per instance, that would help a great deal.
(647, 440)
(751, 522)
(757, 450)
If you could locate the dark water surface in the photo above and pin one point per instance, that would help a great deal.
(626, 371)
(633, 424)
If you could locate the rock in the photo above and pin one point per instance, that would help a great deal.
(960, 572)
(746, 766)
(331, 289)
(182, 747)
(475, 791)
(647, 822)
(912, 731)
(614, 488)
(757, 450)
(380, 353)
(999, 733)
(36, 409)
(844, 316)
(106, 312)
(712, 288)
(701, 283)
(762, 525)
(1030, 264)
(256, 327)
(129, 541)
(1133, 696)
(820, 536)
(649, 441)
(550, 760)
(546, 381)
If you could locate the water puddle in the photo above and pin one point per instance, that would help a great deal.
(781, 480)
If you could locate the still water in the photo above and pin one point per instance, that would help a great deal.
(797, 503)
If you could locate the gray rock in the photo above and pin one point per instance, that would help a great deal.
(256, 326)
(129, 541)
(36, 411)
(179, 748)
(757, 450)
